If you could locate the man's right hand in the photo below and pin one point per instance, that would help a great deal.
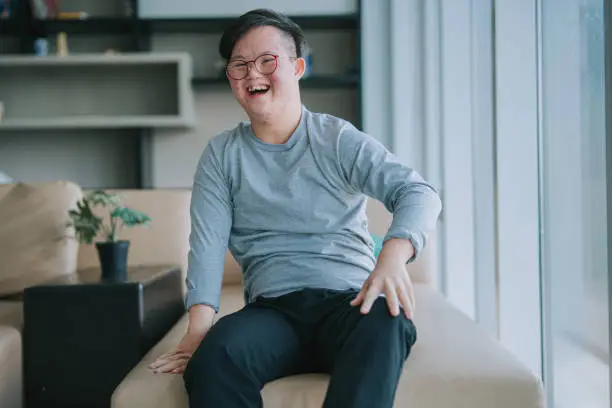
(175, 361)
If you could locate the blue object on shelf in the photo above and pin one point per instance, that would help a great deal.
(41, 47)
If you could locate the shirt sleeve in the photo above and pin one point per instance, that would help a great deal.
(368, 167)
(211, 221)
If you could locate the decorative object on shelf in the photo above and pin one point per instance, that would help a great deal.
(129, 9)
(44, 9)
(41, 47)
(62, 44)
(7, 7)
(112, 252)
(73, 15)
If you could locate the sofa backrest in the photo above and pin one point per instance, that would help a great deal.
(4, 189)
(35, 244)
(166, 240)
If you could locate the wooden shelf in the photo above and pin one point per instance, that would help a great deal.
(218, 24)
(127, 25)
(13, 26)
(144, 90)
(312, 82)
(93, 122)
(95, 59)
(95, 25)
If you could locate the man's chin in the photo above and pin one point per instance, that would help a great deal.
(258, 109)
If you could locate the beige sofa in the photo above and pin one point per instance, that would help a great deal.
(33, 248)
(453, 364)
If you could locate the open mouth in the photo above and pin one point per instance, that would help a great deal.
(258, 90)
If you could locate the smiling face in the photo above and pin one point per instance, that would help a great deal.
(271, 83)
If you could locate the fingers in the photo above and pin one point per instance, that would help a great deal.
(399, 293)
(405, 300)
(361, 295)
(391, 295)
(171, 356)
(169, 361)
(179, 370)
(173, 365)
(371, 295)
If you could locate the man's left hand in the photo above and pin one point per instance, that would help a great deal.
(390, 278)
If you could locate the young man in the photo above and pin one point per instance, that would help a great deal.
(287, 194)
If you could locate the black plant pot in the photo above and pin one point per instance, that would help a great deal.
(113, 259)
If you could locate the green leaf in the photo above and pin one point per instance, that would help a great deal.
(130, 217)
(88, 226)
(102, 198)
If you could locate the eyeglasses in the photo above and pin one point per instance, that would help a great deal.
(266, 64)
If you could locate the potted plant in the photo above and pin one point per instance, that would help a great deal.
(112, 251)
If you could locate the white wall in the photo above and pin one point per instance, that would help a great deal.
(91, 158)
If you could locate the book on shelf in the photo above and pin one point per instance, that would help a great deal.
(45, 9)
(8, 8)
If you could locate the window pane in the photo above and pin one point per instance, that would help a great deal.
(574, 235)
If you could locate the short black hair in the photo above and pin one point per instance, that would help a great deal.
(261, 18)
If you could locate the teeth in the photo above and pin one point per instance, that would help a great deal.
(258, 88)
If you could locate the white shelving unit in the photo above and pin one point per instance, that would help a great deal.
(97, 91)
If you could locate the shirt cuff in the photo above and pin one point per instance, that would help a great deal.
(195, 298)
(417, 239)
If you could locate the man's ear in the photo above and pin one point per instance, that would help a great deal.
(300, 67)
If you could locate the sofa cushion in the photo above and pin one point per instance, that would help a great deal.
(5, 189)
(35, 244)
(11, 383)
(454, 363)
(11, 314)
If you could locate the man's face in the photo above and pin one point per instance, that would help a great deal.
(271, 81)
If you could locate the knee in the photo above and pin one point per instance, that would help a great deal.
(388, 329)
(208, 360)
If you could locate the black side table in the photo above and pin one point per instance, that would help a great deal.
(83, 335)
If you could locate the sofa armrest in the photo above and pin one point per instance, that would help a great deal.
(142, 388)
(11, 383)
(453, 364)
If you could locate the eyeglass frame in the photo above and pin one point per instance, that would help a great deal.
(248, 62)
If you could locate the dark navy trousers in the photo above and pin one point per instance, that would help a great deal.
(309, 331)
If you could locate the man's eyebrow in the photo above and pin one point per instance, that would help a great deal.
(238, 56)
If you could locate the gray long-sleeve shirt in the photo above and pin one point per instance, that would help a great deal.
(293, 214)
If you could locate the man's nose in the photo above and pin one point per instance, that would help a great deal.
(252, 71)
